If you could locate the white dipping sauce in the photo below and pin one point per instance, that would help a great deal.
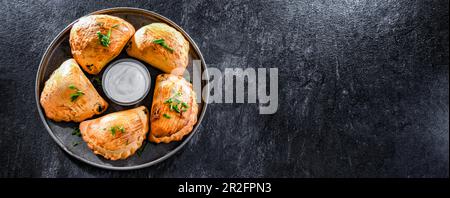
(126, 82)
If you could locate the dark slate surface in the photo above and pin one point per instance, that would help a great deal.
(363, 89)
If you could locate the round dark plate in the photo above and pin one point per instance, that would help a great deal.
(61, 132)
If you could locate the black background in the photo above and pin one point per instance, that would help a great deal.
(363, 89)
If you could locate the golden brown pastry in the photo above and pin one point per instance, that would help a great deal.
(161, 46)
(117, 135)
(68, 95)
(174, 110)
(97, 39)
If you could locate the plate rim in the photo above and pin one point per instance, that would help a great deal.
(205, 99)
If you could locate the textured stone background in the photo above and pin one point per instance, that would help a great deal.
(363, 89)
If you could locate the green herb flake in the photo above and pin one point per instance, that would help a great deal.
(141, 150)
(74, 144)
(185, 105)
(74, 96)
(121, 129)
(175, 104)
(114, 129)
(104, 39)
(76, 131)
(163, 44)
(166, 116)
(97, 81)
(176, 108)
(168, 101)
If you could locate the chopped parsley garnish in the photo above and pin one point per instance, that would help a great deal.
(105, 40)
(168, 100)
(176, 108)
(74, 96)
(185, 104)
(175, 104)
(115, 129)
(166, 116)
(163, 43)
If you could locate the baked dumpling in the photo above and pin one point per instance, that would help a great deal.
(174, 110)
(97, 39)
(68, 95)
(161, 46)
(117, 135)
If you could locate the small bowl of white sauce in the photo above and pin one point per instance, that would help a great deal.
(126, 81)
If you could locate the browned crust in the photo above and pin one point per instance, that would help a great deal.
(192, 119)
(141, 46)
(55, 99)
(122, 151)
(85, 44)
